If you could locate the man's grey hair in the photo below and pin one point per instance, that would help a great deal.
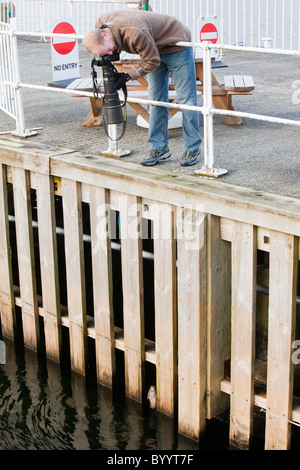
(91, 38)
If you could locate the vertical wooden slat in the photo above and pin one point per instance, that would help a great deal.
(72, 209)
(218, 315)
(102, 285)
(243, 333)
(281, 334)
(49, 265)
(7, 303)
(165, 308)
(191, 246)
(133, 294)
(26, 261)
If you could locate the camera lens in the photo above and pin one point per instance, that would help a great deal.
(113, 109)
(112, 106)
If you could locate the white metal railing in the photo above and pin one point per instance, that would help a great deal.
(207, 110)
(7, 104)
(252, 23)
(10, 85)
(10, 92)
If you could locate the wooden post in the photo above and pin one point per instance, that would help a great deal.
(71, 192)
(102, 285)
(7, 302)
(133, 294)
(26, 261)
(49, 265)
(218, 315)
(243, 333)
(165, 308)
(281, 334)
(191, 243)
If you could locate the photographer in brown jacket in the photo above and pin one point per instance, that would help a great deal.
(153, 36)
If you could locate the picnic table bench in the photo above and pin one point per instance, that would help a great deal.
(221, 93)
(95, 116)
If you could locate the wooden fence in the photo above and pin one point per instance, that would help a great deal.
(205, 242)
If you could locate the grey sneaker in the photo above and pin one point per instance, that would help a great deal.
(190, 157)
(155, 155)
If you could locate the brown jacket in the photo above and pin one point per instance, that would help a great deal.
(145, 33)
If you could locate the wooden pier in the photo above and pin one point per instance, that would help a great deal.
(224, 276)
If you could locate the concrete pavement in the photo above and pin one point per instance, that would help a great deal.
(258, 155)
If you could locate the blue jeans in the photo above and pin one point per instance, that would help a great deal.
(182, 68)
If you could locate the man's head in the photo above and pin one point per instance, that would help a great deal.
(100, 42)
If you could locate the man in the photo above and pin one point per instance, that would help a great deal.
(152, 36)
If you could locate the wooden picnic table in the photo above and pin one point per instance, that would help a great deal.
(221, 93)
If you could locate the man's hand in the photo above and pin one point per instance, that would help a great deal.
(120, 82)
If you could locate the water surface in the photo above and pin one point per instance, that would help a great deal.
(45, 407)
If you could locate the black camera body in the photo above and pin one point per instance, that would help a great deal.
(106, 59)
(112, 106)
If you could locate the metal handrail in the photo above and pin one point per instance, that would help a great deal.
(207, 110)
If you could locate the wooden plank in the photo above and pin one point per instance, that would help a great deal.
(26, 260)
(81, 84)
(191, 243)
(248, 81)
(7, 303)
(141, 111)
(165, 308)
(263, 235)
(259, 397)
(27, 154)
(72, 210)
(119, 340)
(242, 334)
(281, 334)
(102, 285)
(217, 90)
(220, 102)
(133, 294)
(271, 211)
(224, 102)
(238, 82)
(228, 82)
(260, 400)
(95, 116)
(49, 265)
(218, 315)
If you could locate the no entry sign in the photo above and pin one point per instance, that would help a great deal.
(63, 45)
(64, 52)
(209, 32)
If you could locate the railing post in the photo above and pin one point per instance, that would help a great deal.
(20, 121)
(71, 9)
(281, 334)
(208, 168)
(42, 16)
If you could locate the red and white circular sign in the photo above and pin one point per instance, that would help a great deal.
(63, 45)
(209, 32)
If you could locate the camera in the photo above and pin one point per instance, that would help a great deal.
(106, 59)
(111, 101)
